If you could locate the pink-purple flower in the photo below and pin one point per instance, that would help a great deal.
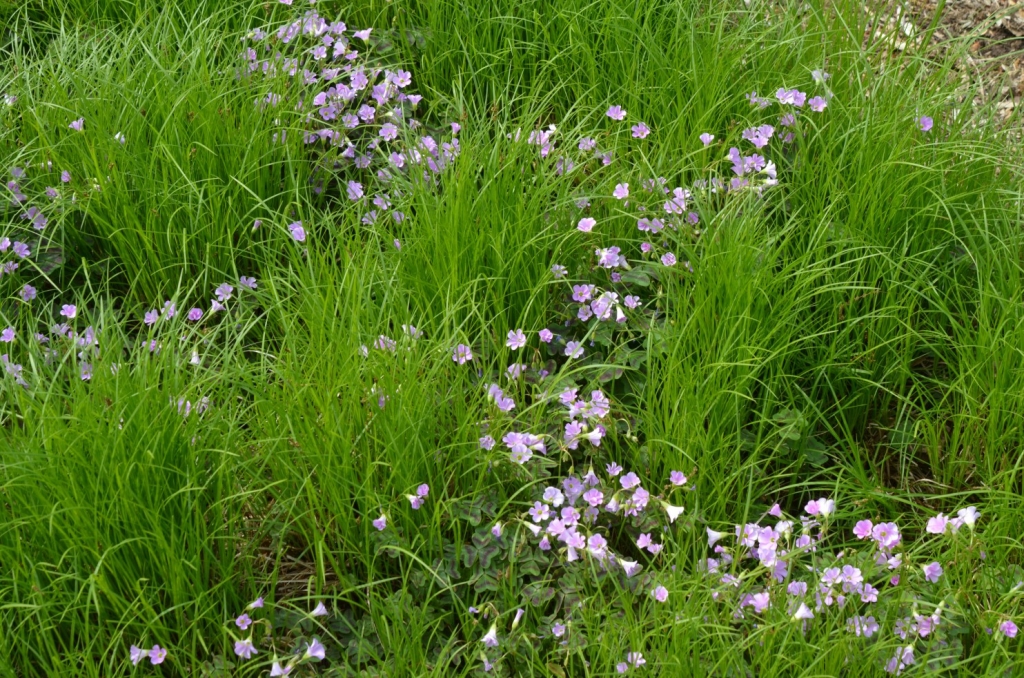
(516, 339)
(925, 123)
(932, 572)
(616, 113)
(244, 648)
(462, 354)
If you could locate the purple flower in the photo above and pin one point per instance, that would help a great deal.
(760, 602)
(1008, 629)
(622, 667)
(797, 588)
(668, 259)
(244, 621)
(315, 650)
(157, 655)
(516, 339)
(20, 249)
(490, 638)
(677, 478)
(137, 654)
(791, 96)
(558, 270)
(819, 76)
(487, 443)
(65, 176)
(925, 123)
(621, 191)
(822, 507)
(244, 648)
(78, 125)
(546, 335)
(886, 534)
(636, 659)
(319, 611)
(297, 231)
(775, 510)
(380, 523)
(462, 354)
(932, 572)
(388, 131)
(256, 604)
(866, 626)
(573, 349)
(903, 658)
(586, 225)
(246, 281)
(862, 530)
(640, 131)
(195, 314)
(937, 525)
(69, 311)
(616, 113)
(276, 669)
(629, 481)
(7, 335)
(817, 104)
(363, 34)
(706, 138)
(660, 594)
(223, 292)
(28, 293)
(354, 190)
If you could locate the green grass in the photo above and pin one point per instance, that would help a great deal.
(878, 293)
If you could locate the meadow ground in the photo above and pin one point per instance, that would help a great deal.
(517, 338)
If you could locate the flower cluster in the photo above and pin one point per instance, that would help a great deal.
(357, 115)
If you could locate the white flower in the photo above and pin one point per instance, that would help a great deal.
(969, 515)
(673, 511)
(803, 612)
